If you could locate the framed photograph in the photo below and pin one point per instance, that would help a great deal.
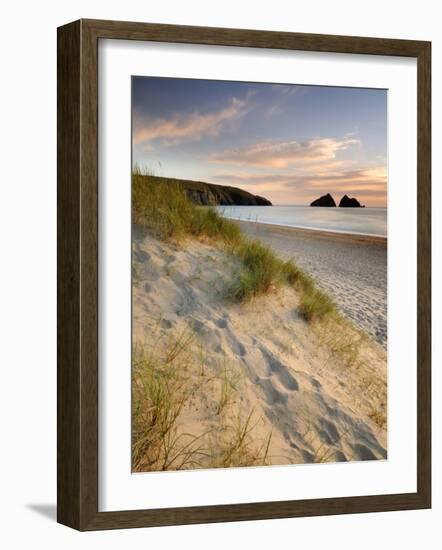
(243, 274)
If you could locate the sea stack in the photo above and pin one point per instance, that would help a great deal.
(325, 200)
(349, 202)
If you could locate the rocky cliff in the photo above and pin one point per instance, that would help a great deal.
(210, 194)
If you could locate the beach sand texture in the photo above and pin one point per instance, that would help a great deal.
(351, 268)
(306, 400)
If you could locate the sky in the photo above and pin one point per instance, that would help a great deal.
(286, 142)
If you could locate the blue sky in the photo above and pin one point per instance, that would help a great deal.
(288, 143)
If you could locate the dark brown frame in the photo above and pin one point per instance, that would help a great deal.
(78, 269)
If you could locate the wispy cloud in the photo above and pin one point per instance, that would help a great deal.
(282, 154)
(368, 177)
(186, 127)
(365, 183)
(283, 93)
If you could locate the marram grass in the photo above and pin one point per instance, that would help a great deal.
(166, 212)
(166, 383)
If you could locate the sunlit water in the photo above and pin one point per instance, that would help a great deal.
(362, 221)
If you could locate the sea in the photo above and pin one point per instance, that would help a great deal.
(357, 221)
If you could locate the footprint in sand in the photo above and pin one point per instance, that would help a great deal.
(361, 452)
(170, 259)
(273, 396)
(165, 323)
(235, 345)
(315, 383)
(330, 429)
(141, 256)
(208, 335)
(280, 371)
(197, 325)
(338, 456)
(147, 269)
(307, 456)
(177, 277)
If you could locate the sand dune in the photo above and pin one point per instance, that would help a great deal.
(317, 404)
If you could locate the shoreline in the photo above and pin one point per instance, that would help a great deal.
(352, 269)
(348, 222)
(336, 235)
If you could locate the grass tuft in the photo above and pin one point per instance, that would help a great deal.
(260, 271)
(315, 304)
(236, 445)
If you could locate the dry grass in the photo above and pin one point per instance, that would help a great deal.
(160, 390)
(343, 338)
(164, 385)
(234, 444)
(379, 417)
(229, 387)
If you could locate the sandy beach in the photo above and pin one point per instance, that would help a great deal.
(259, 380)
(259, 274)
(351, 268)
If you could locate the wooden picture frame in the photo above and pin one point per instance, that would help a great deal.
(78, 274)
